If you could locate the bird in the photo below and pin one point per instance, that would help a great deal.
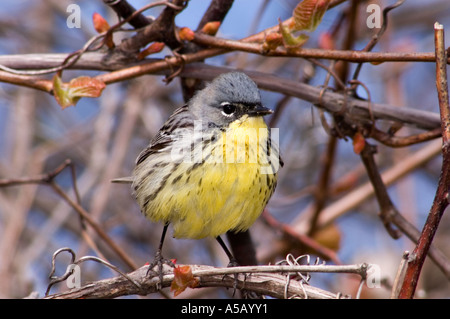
(212, 167)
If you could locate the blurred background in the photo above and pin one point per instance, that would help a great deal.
(103, 137)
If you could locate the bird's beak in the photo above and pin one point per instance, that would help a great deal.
(259, 110)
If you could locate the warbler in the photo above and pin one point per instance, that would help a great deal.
(212, 167)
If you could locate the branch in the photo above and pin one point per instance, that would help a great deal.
(100, 61)
(365, 191)
(27, 81)
(162, 29)
(321, 193)
(356, 109)
(402, 141)
(332, 102)
(49, 179)
(216, 11)
(441, 200)
(387, 208)
(41, 179)
(125, 10)
(265, 280)
(287, 230)
(329, 101)
(95, 60)
(310, 53)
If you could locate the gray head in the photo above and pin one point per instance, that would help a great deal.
(227, 98)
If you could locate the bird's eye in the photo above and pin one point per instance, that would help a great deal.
(228, 109)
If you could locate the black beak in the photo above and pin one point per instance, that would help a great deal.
(259, 110)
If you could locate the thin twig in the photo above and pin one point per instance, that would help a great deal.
(328, 161)
(298, 237)
(365, 191)
(387, 208)
(346, 55)
(322, 190)
(49, 180)
(55, 279)
(378, 35)
(98, 229)
(402, 141)
(41, 179)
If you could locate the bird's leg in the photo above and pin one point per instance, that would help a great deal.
(233, 262)
(159, 261)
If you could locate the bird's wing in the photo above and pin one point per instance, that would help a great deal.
(181, 118)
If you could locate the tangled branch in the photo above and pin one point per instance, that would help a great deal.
(285, 280)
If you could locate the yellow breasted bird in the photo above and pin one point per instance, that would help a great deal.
(212, 167)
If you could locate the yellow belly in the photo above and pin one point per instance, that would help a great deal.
(225, 192)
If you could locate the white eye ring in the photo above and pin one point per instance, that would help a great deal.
(232, 110)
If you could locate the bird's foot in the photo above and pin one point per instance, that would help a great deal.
(159, 263)
(234, 263)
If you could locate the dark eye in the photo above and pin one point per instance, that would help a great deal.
(228, 109)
